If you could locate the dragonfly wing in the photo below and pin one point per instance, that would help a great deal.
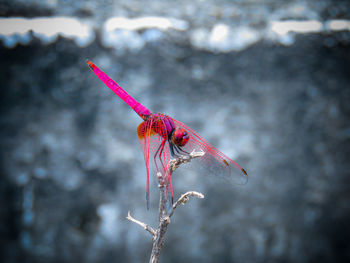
(160, 162)
(161, 158)
(144, 133)
(153, 139)
(214, 160)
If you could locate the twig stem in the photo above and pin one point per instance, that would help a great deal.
(143, 225)
(184, 198)
(163, 216)
(164, 221)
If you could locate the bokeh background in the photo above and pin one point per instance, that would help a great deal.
(267, 82)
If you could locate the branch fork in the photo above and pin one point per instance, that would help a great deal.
(158, 236)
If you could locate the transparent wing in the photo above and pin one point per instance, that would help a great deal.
(144, 134)
(160, 162)
(154, 143)
(214, 161)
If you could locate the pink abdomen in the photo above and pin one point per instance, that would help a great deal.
(141, 110)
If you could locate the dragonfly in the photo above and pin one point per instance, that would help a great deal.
(162, 137)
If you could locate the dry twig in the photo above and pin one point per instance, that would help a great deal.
(163, 216)
(143, 225)
(175, 163)
(184, 198)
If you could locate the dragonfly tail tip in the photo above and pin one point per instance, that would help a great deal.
(91, 65)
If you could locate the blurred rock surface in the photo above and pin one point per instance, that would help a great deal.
(71, 164)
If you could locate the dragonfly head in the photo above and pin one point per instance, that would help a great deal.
(179, 137)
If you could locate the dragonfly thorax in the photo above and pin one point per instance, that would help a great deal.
(179, 137)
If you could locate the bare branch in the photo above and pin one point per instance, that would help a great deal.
(184, 198)
(143, 225)
(175, 163)
(163, 222)
(163, 216)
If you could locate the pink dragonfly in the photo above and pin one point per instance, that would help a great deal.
(161, 136)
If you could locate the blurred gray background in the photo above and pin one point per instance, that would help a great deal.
(266, 82)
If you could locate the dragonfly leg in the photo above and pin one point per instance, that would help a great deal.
(179, 150)
(155, 156)
(160, 154)
(171, 146)
(176, 149)
(169, 187)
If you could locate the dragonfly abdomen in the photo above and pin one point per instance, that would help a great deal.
(141, 110)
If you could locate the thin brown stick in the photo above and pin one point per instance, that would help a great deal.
(163, 222)
(163, 216)
(143, 225)
(175, 163)
(184, 198)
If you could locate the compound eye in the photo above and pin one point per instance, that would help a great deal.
(180, 137)
(185, 139)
